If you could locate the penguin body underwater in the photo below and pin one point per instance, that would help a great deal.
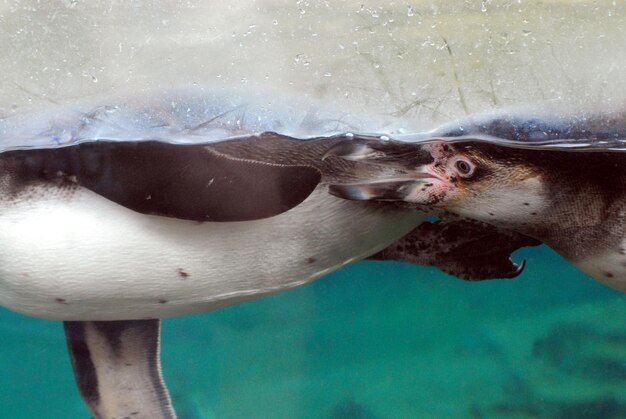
(119, 213)
(560, 180)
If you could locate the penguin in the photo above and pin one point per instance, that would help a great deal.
(116, 214)
(560, 180)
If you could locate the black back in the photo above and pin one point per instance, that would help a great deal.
(192, 182)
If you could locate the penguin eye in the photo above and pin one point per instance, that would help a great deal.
(464, 167)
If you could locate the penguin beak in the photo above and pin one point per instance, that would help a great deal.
(393, 189)
(404, 155)
(409, 158)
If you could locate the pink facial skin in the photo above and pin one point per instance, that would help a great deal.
(444, 175)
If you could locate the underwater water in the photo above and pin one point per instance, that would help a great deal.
(374, 340)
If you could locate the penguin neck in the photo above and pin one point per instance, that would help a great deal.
(586, 205)
(578, 223)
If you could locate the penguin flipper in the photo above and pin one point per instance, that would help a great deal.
(469, 250)
(186, 181)
(117, 368)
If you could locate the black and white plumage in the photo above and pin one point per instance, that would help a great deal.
(115, 215)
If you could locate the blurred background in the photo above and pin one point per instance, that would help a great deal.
(375, 340)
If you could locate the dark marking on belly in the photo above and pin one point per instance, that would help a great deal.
(608, 274)
(162, 301)
(311, 260)
(61, 300)
(183, 274)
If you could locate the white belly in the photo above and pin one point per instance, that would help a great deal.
(608, 268)
(87, 258)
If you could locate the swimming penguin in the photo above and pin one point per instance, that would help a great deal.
(116, 214)
(560, 180)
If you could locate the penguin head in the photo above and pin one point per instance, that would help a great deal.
(475, 179)
(492, 184)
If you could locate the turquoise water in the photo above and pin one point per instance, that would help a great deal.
(374, 340)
